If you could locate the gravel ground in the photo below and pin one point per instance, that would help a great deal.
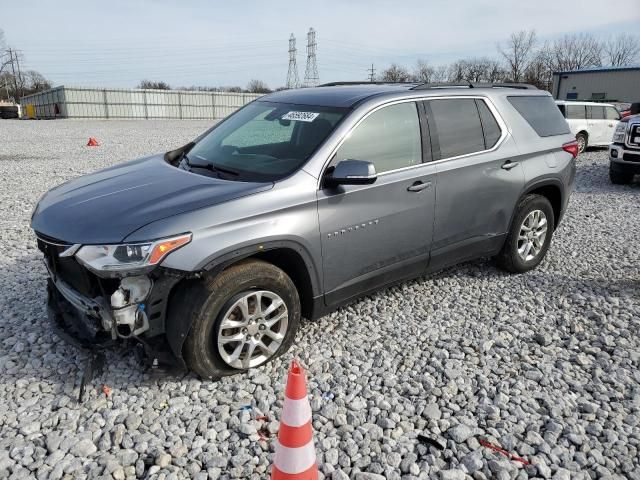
(544, 364)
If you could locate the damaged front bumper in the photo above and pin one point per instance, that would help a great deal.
(120, 311)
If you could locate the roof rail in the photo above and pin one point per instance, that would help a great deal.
(337, 84)
(521, 86)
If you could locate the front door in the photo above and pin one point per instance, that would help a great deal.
(373, 234)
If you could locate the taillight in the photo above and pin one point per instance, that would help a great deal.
(572, 148)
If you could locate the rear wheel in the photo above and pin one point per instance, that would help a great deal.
(581, 138)
(620, 178)
(243, 318)
(529, 236)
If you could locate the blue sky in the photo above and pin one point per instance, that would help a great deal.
(118, 43)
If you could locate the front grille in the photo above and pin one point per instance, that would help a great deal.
(634, 133)
(67, 268)
(631, 157)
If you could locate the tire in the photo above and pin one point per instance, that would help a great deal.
(246, 283)
(510, 258)
(620, 178)
(583, 142)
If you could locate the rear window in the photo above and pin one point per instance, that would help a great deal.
(456, 124)
(595, 113)
(490, 126)
(541, 113)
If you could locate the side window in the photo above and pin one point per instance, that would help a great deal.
(595, 113)
(456, 125)
(490, 126)
(576, 112)
(612, 113)
(389, 138)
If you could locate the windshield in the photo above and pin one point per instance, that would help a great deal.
(265, 141)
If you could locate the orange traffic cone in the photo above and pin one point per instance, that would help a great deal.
(92, 142)
(295, 457)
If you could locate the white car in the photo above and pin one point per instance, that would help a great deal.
(592, 123)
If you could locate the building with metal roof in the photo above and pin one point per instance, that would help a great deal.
(599, 84)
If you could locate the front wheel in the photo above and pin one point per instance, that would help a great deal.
(529, 236)
(243, 318)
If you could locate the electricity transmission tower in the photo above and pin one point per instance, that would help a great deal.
(292, 75)
(311, 78)
(372, 73)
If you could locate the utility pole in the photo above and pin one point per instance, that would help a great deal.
(292, 75)
(372, 73)
(15, 80)
(19, 76)
(311, 78)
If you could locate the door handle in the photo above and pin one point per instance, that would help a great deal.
(419, 186)
(508, 165)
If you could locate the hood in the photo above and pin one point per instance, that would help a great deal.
(106, 206)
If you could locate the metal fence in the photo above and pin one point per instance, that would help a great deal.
(76, 102)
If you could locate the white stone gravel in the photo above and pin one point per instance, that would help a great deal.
(544, 364)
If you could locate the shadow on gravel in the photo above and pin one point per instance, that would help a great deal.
(593, 177)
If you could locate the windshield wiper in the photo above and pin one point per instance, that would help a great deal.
(209, 166)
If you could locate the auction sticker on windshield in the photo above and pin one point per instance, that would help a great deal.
(301, 116)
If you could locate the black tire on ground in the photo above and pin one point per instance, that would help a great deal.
(215, 296)
(582, 140)
(508, 259)
(620, 178)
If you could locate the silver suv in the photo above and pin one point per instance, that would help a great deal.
(208, 256)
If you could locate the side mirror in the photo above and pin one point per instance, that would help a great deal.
(351, 172)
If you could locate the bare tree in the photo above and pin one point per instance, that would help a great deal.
(151, 85)
(231, 89)
(622, 50)
(480, 69)
(423, 72)
(540, 69)
(258, 86)
(395, 73)
(440, 74)
(517, 53)
(457, 71)
(573, 52)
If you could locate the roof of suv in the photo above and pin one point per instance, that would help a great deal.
(349, 95)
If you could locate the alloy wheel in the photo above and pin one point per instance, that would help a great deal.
(533, 233)
(252, 329)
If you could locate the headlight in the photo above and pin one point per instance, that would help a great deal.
(131, 257)
(618, 135)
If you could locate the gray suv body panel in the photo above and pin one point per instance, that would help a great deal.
(352, 238)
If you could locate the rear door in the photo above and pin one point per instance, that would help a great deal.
(368, 232)
(597, 125)
(478, 186)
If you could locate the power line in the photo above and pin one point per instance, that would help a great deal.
(311, 78)
(292, 75)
